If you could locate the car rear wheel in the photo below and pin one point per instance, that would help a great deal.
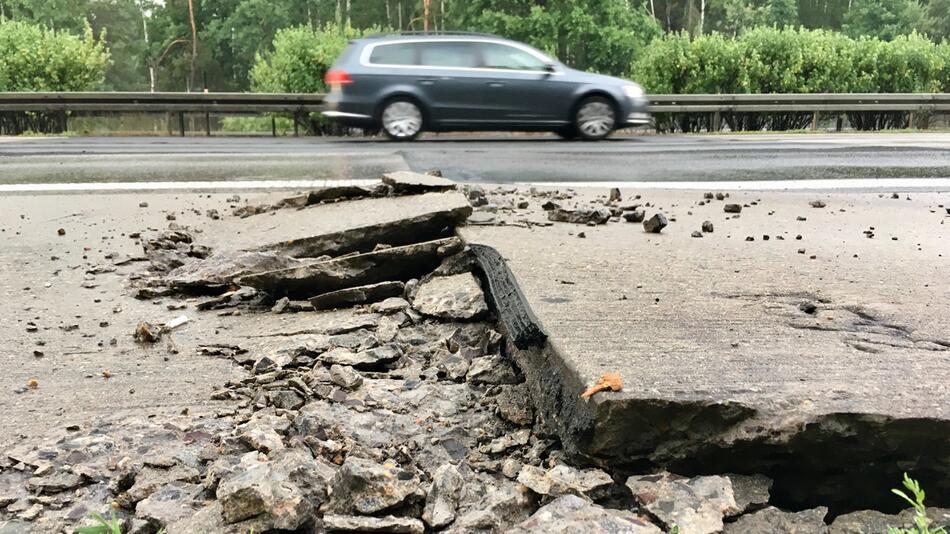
(595, 118)
(401, 119)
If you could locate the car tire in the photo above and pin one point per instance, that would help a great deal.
(595, 118)
(567, 133)
(401, 119)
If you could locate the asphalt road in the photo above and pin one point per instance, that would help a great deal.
(498, 159)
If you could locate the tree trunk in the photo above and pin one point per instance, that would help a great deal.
(425, 15)
(194, 44)
(702, 15)
(348, 23)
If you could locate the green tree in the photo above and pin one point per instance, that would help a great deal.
(732, 17)
(602, 36)
(937, 19)
(885, 19)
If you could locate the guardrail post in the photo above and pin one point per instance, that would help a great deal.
(814, 120)
(840, 123)
(910, 120)
(273, 126)
(208, 124)
(296, 126)
(716, 121)
(181, 123)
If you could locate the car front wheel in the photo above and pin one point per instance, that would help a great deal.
(402, 119)
(595, 118)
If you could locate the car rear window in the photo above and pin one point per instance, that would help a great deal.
(394, 54)
(448, 54)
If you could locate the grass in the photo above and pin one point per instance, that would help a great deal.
(104, 526)
(922, 523)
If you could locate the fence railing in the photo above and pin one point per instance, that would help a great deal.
(297, 105)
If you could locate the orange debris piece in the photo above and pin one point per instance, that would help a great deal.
(608, 382)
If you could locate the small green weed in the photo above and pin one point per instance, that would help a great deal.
(105, 526)
(921, 521)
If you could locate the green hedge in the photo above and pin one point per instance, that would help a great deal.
(770, 60)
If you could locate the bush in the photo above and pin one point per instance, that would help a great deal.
(944, 52)
(771, 60)
(33, 58)
(300, 59)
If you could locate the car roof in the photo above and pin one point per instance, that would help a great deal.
(441, 36)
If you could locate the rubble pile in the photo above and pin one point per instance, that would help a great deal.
(384, 400)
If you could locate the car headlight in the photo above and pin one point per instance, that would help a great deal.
(633, 91)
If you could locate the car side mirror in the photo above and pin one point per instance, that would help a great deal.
(550, 68)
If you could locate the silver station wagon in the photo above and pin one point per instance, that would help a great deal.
(407, 84)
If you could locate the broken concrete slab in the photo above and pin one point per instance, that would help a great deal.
(336, 193)
(458, 296)
(396, 263)
(772, 519)
(874, 522)
(582, 215)
(221, 268)
(412, 183)
(725, 373)
(357, 295)
(570, 514)
(696, 505)
(565, 480)
(340, 228)
(359, 523)
(367, 487)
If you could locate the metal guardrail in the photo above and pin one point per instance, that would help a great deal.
(299, 104)
(792, 103)
(163, 102)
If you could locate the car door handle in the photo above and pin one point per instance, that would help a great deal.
(495, 84)
(426, 81)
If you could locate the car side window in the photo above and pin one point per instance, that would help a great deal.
(500, 56)
(394, 54)
(448, 54)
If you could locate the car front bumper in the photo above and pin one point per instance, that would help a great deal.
(637, 118)
(636, 112)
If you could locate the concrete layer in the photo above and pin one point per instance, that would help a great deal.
(718, 361)
(41, 274)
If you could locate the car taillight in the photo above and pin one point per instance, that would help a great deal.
(337, 77)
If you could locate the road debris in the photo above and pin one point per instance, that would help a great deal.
(655, 224)
(607, 382)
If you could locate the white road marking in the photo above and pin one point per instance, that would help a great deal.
(931, 184)
(168, 186)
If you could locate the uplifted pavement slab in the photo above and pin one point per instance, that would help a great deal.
(822, 361)
(391, 264)
(340, 228)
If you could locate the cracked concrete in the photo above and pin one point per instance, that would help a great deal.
(722, 369)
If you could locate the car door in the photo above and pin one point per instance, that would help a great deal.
(521, 87)
(449, 77)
